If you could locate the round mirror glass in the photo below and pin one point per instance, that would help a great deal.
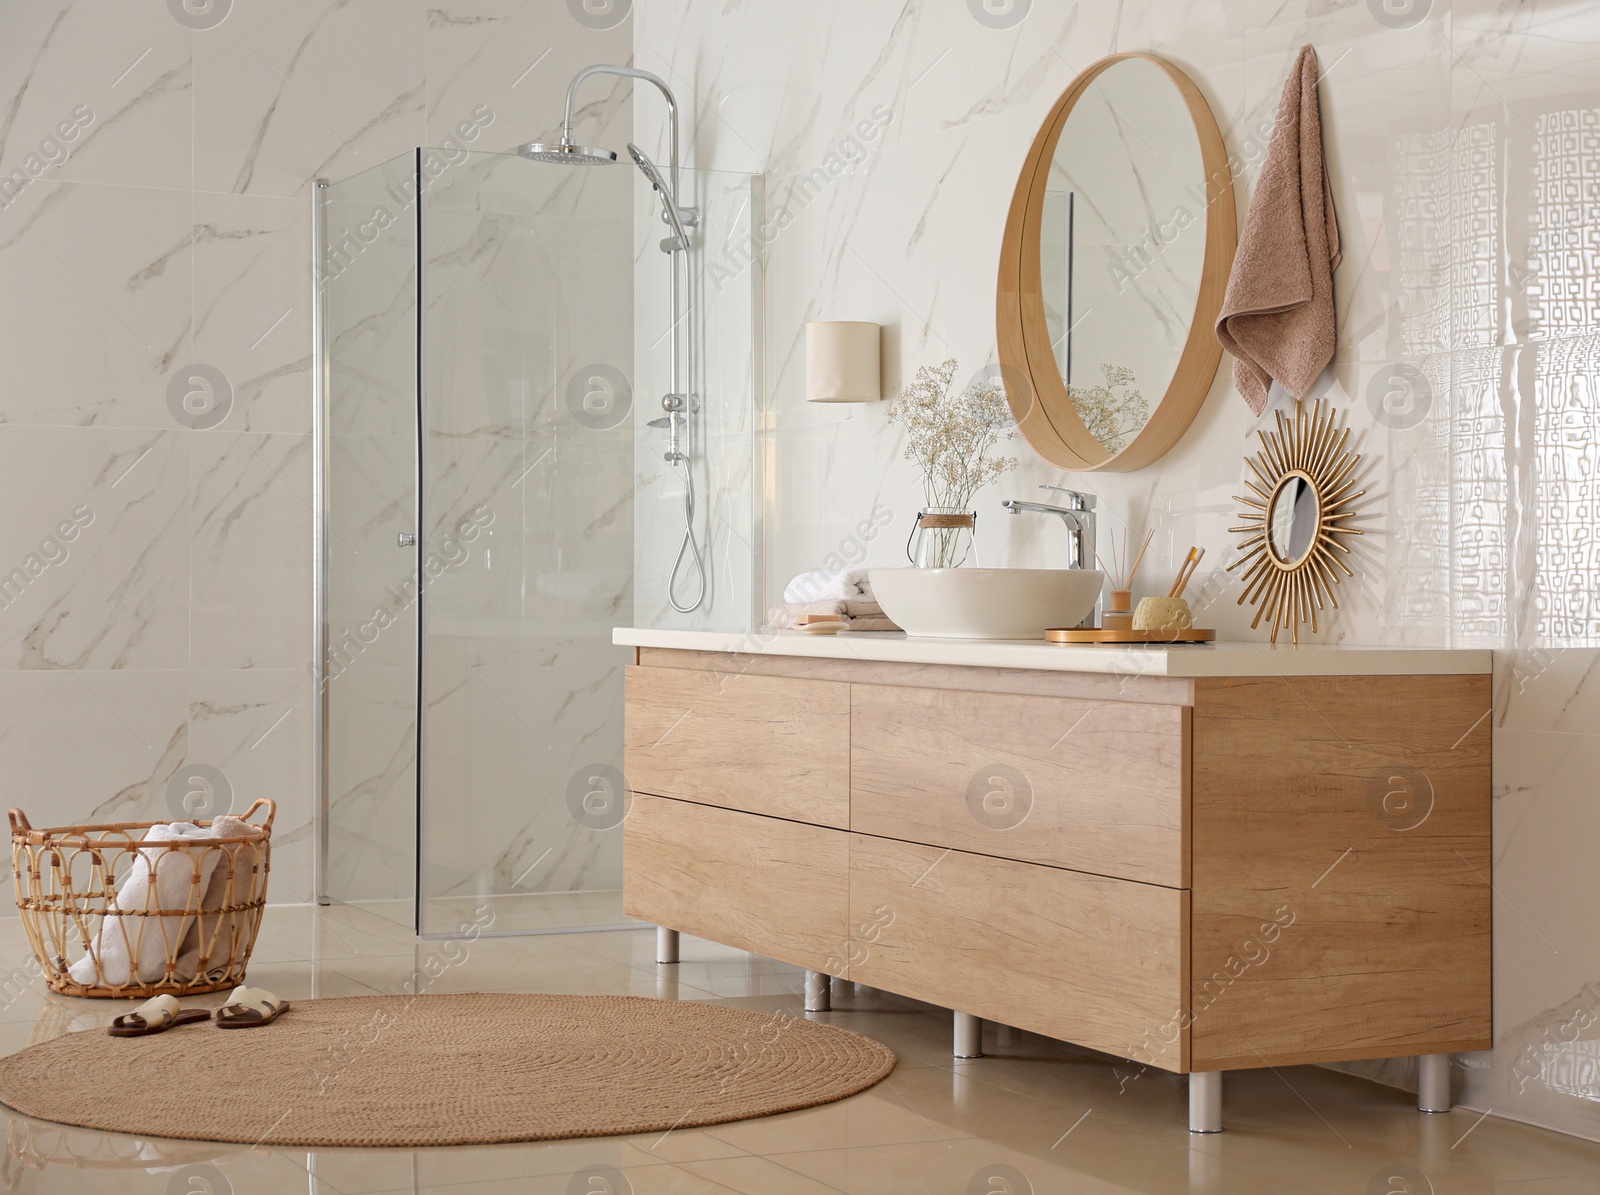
(1292, 522)
(1113, 266)
(1122, 246)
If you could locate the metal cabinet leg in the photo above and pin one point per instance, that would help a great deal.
(666, 945)
(968, 1036)
(819, 992)
(1433, 1082)
(1205, 1101)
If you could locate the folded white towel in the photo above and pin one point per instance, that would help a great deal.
(819, 586)
(122, 943)
(221, 935)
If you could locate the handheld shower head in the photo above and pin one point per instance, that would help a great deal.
(673, 214)
(565, 153)
(649, 168)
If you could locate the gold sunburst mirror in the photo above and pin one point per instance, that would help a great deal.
(1300, 498)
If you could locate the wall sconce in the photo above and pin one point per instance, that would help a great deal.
(842, 362)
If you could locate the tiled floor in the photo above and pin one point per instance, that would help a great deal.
(1033, 1116)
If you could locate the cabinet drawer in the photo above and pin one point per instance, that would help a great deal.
(763, 744)
(1095, 786)
(765, 885)
(1086, 959)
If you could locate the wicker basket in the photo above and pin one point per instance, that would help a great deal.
(66, 885)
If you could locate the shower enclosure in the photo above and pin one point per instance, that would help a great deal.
(497, 340)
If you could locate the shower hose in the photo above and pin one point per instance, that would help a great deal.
(687, 547)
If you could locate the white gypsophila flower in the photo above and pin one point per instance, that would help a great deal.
(1112, 412)
(949, 436)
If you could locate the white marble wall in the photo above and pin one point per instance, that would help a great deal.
(1461, 261)
(154, 214)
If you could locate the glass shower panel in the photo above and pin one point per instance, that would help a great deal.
(369, 279)
(528, 469)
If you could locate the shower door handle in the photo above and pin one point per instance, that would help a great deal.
(405, 540)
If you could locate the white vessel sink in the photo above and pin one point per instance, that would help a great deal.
(985, 603)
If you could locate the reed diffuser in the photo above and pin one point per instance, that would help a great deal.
(1119, 614)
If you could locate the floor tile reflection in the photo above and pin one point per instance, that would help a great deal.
(1032, 1116)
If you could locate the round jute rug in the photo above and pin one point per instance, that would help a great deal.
(445, 1070)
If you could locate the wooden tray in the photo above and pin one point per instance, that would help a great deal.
(1079, 635)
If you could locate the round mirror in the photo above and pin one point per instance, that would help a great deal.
(1113, 267)
(1293, 519)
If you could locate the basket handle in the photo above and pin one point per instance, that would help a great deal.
(272, 811)
(19, 821)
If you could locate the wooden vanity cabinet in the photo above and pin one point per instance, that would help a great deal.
(1198, 874)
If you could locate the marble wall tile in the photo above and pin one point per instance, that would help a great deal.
(515, 58)
(96, 547)
(301, 89)
(249, 567)
(253, 725)
(252, 306)
(120, 72)
(138, 723)
(752, 107)
(95, 321)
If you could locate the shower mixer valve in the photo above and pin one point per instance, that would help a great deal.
(678, 407)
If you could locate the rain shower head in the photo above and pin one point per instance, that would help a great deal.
(567, 154)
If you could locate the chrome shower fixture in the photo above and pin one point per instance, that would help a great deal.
(566, 154)
(680, 403)
(670, 211)
(569, 153)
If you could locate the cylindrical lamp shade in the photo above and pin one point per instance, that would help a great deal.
(842, 362)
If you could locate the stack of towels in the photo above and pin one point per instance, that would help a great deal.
(135, 949)
(847, 596)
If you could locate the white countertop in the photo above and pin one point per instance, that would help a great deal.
(1209, 659)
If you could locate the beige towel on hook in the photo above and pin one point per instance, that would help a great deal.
(1277, 317)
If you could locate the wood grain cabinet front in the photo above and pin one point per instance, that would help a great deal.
(772, 745)
(1082, 958)
(1260, 871)
(772, 887)
(1096, 786)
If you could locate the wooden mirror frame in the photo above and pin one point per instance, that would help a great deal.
(1028, 367)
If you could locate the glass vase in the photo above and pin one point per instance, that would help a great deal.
(943, 537)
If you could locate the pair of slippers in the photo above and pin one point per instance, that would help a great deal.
(247, 1008)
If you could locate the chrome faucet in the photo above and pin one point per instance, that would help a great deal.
(1078, 516)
